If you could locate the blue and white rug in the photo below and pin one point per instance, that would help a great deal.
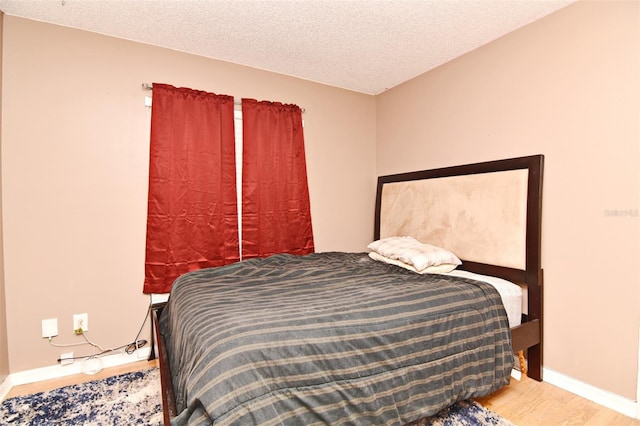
(128, 399)
(464, 413)
(134, 399)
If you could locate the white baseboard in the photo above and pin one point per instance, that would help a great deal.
(78, 367)
(602, 397)
(638, 380)
(5, 387)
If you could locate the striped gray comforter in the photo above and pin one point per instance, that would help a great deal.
(330, 338)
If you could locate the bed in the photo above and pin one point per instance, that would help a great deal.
(343, 338)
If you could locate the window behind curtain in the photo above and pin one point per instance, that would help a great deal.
(192, 218)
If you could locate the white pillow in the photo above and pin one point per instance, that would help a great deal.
(413, 252)
(443, 268)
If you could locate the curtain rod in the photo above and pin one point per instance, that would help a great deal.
(147, 86)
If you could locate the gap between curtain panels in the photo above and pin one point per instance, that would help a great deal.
(147, 86)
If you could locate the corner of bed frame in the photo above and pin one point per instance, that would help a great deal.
(528, 336)
(166, 382)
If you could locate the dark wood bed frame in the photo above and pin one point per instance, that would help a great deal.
(159, 349)
(525, 337)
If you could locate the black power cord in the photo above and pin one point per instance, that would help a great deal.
(131, 348)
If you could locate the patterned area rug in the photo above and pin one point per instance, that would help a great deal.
(134, 399)
(128, 399)
(465, 413)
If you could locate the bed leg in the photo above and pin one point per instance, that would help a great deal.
(523, 363)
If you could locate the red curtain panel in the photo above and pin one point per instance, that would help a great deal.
(276, 214)
(192, 219)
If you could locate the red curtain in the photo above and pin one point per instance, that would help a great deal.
(276, 214)
(192, 219)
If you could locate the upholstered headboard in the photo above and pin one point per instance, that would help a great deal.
(479, 217)
(487, 213)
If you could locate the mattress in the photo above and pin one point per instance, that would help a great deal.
(331, 338)
(510, 293)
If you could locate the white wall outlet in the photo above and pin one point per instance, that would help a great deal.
(80, 323)
(49, 327)
(66, 358)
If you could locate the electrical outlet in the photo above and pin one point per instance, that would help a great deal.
(80, 323)
(49, 327)
(66, 358)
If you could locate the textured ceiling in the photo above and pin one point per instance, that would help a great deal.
(363, 45)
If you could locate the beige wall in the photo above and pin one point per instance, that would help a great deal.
(75, 167)
(568, 87)
(4, 352)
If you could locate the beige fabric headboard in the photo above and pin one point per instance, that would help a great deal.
(486, 213)
(479, 217)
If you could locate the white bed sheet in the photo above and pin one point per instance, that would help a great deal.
(510, 293)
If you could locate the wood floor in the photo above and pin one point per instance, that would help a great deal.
(532, 403)
(524, 403)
